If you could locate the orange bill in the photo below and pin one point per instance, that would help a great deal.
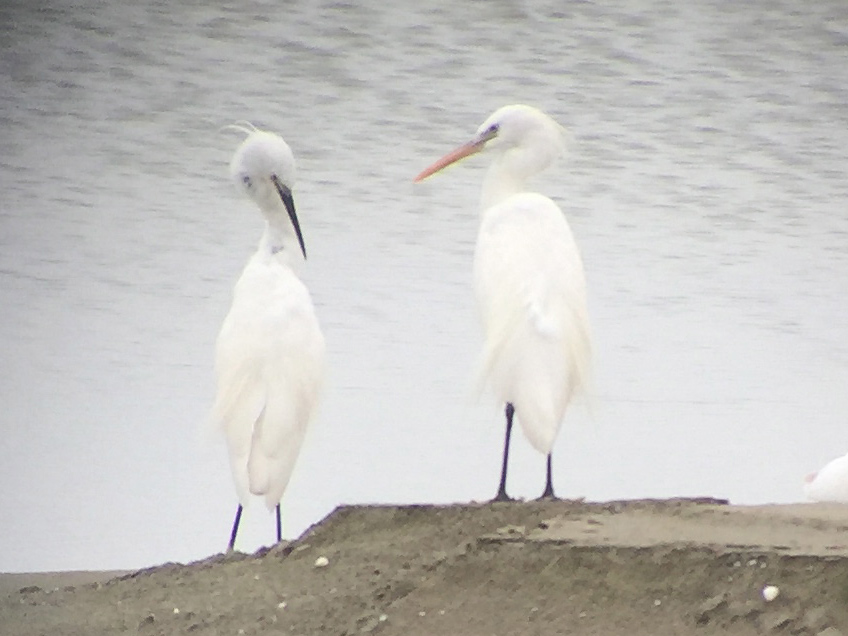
(463, 151)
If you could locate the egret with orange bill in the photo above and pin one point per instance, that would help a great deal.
(528, 281)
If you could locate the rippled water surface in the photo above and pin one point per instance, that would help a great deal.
(706, 185)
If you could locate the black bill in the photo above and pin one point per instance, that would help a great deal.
(288, 201)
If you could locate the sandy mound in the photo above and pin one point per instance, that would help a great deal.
(637, 567)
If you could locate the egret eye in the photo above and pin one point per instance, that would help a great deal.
(489, 133)
(245, 179)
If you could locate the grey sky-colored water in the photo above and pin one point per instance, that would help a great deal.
(706, 184)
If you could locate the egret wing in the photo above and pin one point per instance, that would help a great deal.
(269, 361)
(531, 294)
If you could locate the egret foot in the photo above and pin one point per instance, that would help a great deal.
(502, 496)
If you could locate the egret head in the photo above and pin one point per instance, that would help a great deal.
(263, 168)
(524, 137)
(518, 126)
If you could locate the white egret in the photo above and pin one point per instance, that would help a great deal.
(270, 351)
(528, 280)
(830, 483)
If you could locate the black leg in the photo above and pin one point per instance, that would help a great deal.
(279, 525)
(235, 529)
(549, 484)
(502, 496)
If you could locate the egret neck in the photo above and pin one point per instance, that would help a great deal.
(279, 238)
(512, 166)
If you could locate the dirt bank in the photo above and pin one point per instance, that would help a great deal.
(635, 567)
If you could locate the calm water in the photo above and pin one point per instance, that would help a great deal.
(706, 185)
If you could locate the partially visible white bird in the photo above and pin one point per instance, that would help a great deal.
(830, 483)
(528, 279)
(270, 351)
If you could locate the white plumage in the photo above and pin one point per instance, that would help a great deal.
(536, 335)
(270, 350)
(830, 483)
(528, 280)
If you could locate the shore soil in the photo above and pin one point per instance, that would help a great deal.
(653, 567)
